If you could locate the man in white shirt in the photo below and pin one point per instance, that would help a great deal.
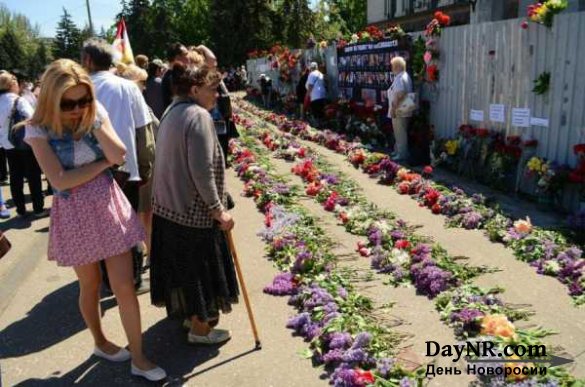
(129, 115)
(318, 92)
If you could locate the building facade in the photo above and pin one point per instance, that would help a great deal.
(413, 15)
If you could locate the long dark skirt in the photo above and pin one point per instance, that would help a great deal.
(191, 271)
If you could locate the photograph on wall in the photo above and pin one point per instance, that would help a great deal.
(369, 95)
(346, 93)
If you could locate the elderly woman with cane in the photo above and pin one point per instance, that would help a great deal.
(192, 272)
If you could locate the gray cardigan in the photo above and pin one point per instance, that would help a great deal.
(189, 174)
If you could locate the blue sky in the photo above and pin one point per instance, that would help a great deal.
(46, 13)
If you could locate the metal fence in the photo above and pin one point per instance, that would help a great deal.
(497, 63)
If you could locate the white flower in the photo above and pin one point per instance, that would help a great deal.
(399, 257)
(382, 225)
(552, 267)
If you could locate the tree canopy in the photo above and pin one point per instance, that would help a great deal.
(21, 49)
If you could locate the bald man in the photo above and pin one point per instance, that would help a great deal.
(222, 113)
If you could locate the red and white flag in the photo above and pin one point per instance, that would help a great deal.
(122, 48)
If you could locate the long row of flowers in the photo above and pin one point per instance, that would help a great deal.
(353, 349)
(474, 313)
(549, 252)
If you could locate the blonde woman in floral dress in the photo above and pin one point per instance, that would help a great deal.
(91, 219)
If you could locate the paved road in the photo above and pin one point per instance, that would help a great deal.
(43, 341)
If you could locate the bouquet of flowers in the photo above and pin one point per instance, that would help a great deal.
(434, 28)
(543, 12)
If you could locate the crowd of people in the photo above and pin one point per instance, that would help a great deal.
(135, 157)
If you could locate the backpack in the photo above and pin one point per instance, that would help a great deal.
(16, 133)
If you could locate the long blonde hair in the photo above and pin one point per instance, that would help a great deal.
(60, 76)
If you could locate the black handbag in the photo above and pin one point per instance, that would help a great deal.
(15, 131)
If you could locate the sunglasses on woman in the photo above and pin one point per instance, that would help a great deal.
(68, 105)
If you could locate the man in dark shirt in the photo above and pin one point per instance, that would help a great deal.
(153, 91)
(175, 53)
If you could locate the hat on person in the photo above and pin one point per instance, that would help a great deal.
(262, 75)
(313, 66)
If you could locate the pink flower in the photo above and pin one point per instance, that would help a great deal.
(428, 57)
(524, 25)
(364, 252)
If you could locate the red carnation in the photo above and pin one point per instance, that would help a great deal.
(364, 377)
(436, 209)
(402, 244)
(432, 73)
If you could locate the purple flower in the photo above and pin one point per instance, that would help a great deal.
(576, 289)
(430, 280)
(406, 382)
(399, 274)
(312, 331)
(362, 340)
(397, 234)
(299, 322)
(330, 307)
(281, 189)
(343, 376)
(375, 236)
(512, 234)
(478, 199)
(342, 292)
(574, 252)
(282, 285)
(465, 210)
(333, 356)
(467, 316)
(472, 220)
(355, 356)
(421, 253)
(330, 316)
(572, 271)
(340, 340)
(302, 258)
(385, 366)
(330, 179)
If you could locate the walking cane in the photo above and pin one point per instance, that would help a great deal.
(232, 247)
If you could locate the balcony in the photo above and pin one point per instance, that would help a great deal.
(401, 8)
(413, 15)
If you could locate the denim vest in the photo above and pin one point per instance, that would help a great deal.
(64, 149)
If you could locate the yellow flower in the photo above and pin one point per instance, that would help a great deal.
(402, 172)
(451, 147)
(523, 226)
(535, 164)
(513, 366)
(497, 325)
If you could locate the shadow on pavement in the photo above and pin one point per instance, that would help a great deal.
(164, 343)
(51, 321)
(16, 223)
